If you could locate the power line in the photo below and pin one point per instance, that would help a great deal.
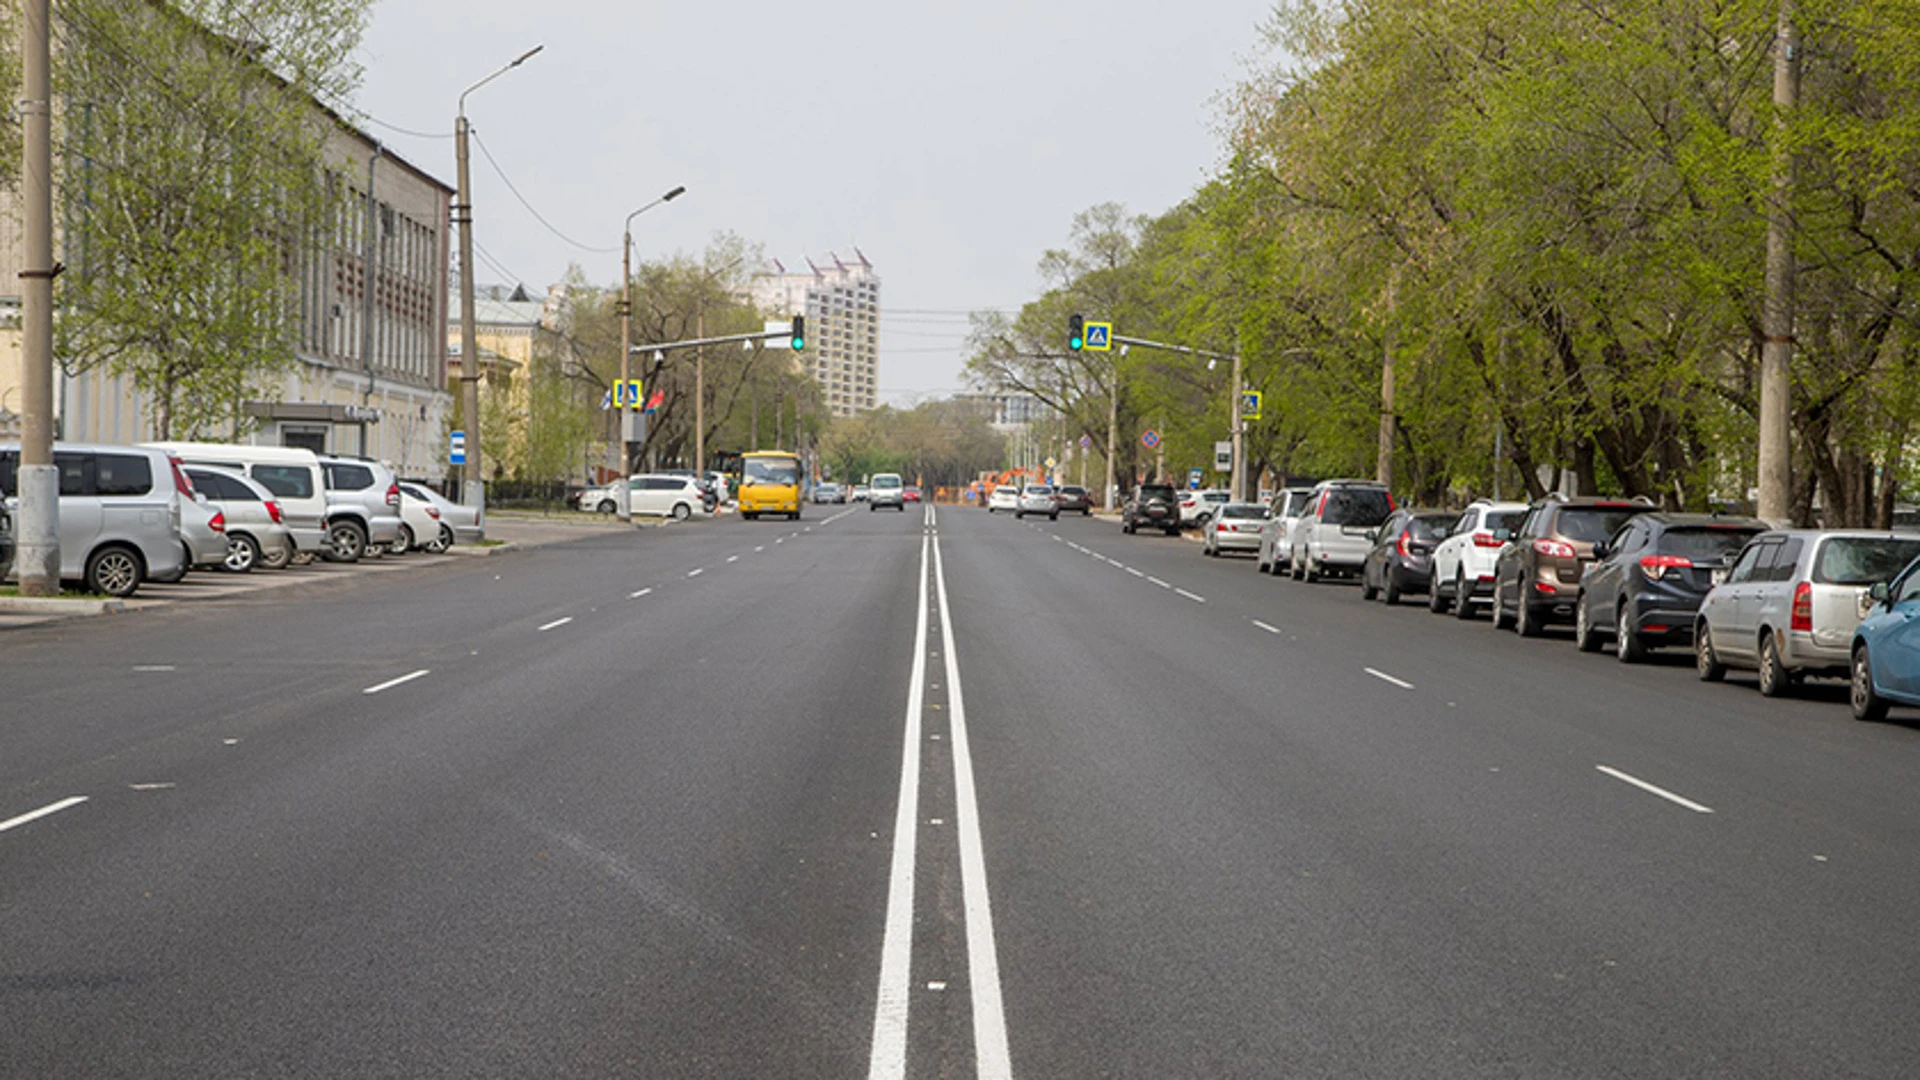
(523, 201)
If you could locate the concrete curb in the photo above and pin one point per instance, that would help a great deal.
(475, 551)
(67, 606)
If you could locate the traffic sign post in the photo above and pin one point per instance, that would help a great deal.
(1223, 459)
(1099, 337)
(1250, 401)
(1150, 439)
(457, 448)
(1193, 478)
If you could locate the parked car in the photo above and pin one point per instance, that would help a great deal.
(861, 493)
(363, 507)
(203, 538)
(120, 510)
(1789, 607)
(1004, 497)
(910, 493)
(1151, 506)
(827, 493)
(671, 495)
(886, 489)
(1074, 498)
(1646, 583)
(420, 527)
(1196, 507)
(1276, 545)
(1333, 536)
(1037, 499)
(604, 499)
(1886, 648)
(1463, 562)
(1233, 527)
(1402, 557)
(461, 522)
(291, 473)
(709, 494)
(256, 529)
(721, 487)
(1536, 578)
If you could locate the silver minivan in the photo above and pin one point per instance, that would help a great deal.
(1788, 606)
(119, 514)
(1334, 533)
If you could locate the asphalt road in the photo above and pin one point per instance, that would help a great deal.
(926, 795)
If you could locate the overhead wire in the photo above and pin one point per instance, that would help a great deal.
(484, 152)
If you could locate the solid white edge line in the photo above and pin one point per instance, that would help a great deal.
(1264, 626)
(1384, 677)
(556, 622)
(391, 683)
(1652, 790)
(889, 1055)
(35, 815)
(992, 1060)
(1195, 597)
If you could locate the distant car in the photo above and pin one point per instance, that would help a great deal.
(887, 490)
(1151, 506)
(827, 493)
(1004, 497)
(1463, 563)
(461, 522)
(1196, 507)
(1332, 535)
(1402, 557)
(1789, 607)
(1536, 578)
(1648, 579)
(1233, 527)
(1886, 648)
(1037, 499)
(861, 492)
(1276, 545)
(1075, 498)
(203, 536)
(911, 493)
(420, 527)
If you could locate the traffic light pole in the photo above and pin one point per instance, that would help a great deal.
(1235, 424)
(694, 343)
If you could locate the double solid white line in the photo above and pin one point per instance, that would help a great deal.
(893, 1003)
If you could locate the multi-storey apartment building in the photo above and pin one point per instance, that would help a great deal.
(841, 302)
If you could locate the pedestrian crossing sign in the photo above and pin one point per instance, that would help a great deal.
(1099, 337)
(626, 392)
(1250, 405)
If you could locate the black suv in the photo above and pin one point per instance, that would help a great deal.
(1537, 577)
(1152, 506)
(1650, 577)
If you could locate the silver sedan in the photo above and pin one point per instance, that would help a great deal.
(1233, 527)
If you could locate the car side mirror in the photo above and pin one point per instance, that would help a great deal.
(1879, 593)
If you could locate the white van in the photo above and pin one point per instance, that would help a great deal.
(119, 514)
(292, 474)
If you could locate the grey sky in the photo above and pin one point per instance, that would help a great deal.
(952, 142)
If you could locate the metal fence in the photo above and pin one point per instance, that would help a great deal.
(546, 496)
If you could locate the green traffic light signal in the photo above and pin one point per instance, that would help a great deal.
(1076, 332)
(799, 339)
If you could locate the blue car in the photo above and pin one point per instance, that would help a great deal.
(1886, 648)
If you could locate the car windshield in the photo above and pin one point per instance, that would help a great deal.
(1863, 560)
(286, 481)
(1429, 526)
(1073, 491)
(1365, 507)
(1504, 519)
(1162, 492)
(1214, 496)
(1588, 524)
(1039, 489)
(773, 471)
(887, 482)
(1241, 510)
(1705, 545)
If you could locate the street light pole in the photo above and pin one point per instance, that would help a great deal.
(37, 553)
(474, 478)
(621, 495)
(1239, 427)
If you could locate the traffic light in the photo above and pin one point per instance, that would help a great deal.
(799, 339)
(1076, 332)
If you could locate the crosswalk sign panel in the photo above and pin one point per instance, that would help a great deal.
(1250, 405)
(1099, 337)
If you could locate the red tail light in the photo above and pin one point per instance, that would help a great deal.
(219, 522)
(1220, 528)
(393, 495)
(1486, 540)
(273, 511)
(1803, 607)
(1656, 566)
(1554, 549)
(433, 512)
(1402, 546)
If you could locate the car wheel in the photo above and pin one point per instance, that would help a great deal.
(346, 541)
(1019, 515)
(405, 543)
(277, 558)
(1367, 591)
(1501, 620)
(1436, 598)
(1055, 516)
(1867, 704)
(1175, 531)
(441, 542)
(114, 571)
(606, 507)
(1525, 622)
(1391, 594)
(243, 553)
(1773, 671)
(1706, 663)
(1586, 637)
(1462, 607)
(1307, 573)
(681, 511)
(1627, 646)
(1294, 570)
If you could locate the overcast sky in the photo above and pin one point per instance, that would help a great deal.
(952, 142)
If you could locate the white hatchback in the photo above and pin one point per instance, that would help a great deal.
(1004, 497)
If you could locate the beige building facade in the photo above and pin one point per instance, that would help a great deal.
(841, 302)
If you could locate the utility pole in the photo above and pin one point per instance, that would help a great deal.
(368, 275)
(473, 474)
(1777, 319)
(1239, 476)
(623, 467)
(1383, 465)
(1109, 496)
(37, 555)
(700, 390)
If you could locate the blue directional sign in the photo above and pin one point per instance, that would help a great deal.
(1099, 337)
(457, 448)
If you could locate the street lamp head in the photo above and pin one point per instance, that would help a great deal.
(526, 56)
(674, 194)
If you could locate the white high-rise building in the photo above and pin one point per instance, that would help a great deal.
(842, 305)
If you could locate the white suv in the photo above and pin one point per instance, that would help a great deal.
(1463, 563)
(1335, 533)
